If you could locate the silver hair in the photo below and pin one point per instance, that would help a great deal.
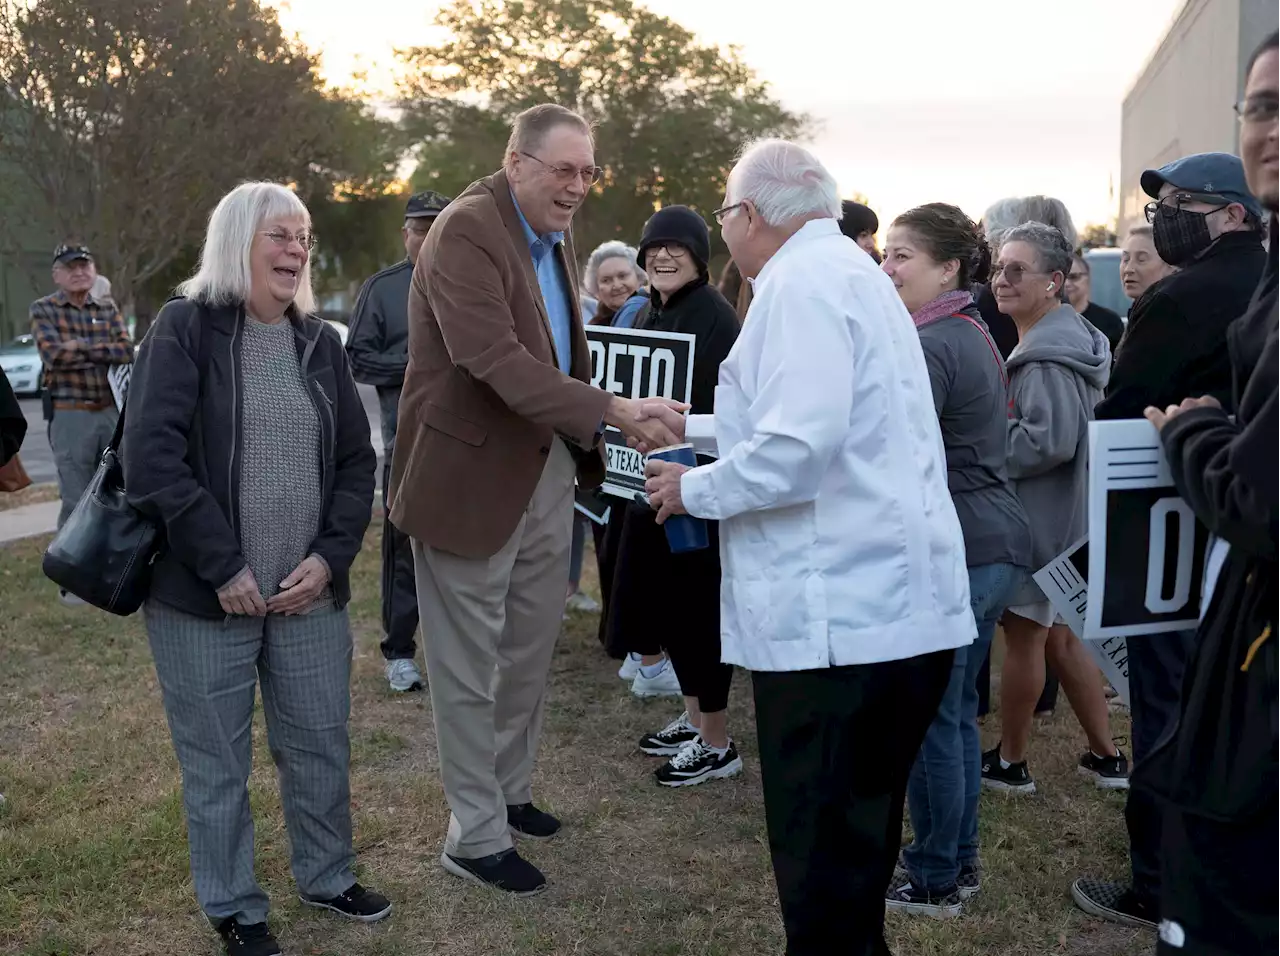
(1139, 230)
(784, 181)
(224, 276)
(613, 249)
(1053, 252)
(529, 129)
(1004, 214)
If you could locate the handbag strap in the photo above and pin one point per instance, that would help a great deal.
(1004, 374)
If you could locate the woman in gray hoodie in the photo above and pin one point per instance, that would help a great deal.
(1056, 376)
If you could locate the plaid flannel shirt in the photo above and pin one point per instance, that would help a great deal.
(77, 344)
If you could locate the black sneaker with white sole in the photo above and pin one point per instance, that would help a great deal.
(1108, 773)
(969, 882)
(671, 739)
(506, 871)
(698, 763)
(909, 899)
(527, 821)
(356, 903)
(1115, 902)
(247, 939)
(1015, 778)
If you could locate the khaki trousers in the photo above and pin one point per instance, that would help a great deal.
(489, 628)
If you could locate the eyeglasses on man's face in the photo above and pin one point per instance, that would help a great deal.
(1013, 273)
(722, 213)
(282, 237)
(672, 249)
(1171, 204)
(1259, 108)
(590, 175)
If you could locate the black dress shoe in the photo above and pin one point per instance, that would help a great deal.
(356, 903)
(526, 820)
(504, 871)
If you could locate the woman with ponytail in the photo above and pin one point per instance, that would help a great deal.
(934, 254)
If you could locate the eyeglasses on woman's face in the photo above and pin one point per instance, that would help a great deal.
(283, 237)
(1013, 273)
(672, 249)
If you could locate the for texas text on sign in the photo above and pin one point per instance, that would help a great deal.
(637, 363)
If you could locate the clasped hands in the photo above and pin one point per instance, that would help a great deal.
(650, 424)
(1162, 418)
(298, 591)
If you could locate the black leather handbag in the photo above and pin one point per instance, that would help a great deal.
(104, 552)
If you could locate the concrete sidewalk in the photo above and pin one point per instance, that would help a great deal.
(28, 521)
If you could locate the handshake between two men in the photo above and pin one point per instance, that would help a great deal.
(650, 424)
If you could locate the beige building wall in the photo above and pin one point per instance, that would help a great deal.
(1181, 102)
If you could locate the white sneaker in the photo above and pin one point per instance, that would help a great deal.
(665, 684)
(583, 603)
(403, 676)
(630, 667)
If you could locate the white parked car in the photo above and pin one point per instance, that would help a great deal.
(20, 360)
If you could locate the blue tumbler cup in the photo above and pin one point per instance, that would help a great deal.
(684, 532)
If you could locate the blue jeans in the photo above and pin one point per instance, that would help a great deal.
(942, 791)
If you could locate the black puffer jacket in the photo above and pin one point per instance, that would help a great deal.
(181, 450)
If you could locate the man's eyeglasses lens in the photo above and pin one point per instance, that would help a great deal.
(673, 249)
(1257, 109)
(1013, 273)
(565, 174)
(723, 211)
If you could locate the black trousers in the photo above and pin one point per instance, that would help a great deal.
(836, 747)
(1156, 664)
(695, 655)
(399, 587)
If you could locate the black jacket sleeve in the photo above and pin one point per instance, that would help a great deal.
(351, 503)
(1149, 359)
(367, 342)
(1227, 473)
(164, 391)
(13, 424)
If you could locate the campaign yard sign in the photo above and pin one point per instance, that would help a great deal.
(1064, 582)
(1147, 560)
(636, 363)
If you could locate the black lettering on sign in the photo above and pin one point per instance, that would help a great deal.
(1155, 558)
(637, 364)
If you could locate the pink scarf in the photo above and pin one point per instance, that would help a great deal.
(949, 303)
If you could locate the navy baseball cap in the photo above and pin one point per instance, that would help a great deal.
(1217, 174)
(426, 203)
(66, 253)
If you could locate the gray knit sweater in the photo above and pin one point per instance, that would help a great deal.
(280, 447)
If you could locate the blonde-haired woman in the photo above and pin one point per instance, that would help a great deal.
(246, 440)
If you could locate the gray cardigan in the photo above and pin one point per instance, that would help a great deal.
(1056, 377)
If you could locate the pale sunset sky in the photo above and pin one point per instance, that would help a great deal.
(917, 100)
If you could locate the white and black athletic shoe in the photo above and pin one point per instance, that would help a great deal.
(671, 739)
(357, 903)
(908, 899)
(1115, 902)
(1015, 778)
(969, 882)
(1108, 773)
(698, 763)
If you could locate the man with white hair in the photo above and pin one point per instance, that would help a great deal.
(844, 588)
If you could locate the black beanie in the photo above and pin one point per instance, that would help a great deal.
(677, 224)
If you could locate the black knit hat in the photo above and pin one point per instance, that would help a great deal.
(677, 224)
(855, 219)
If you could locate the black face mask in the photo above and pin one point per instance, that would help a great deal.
(1180, 235)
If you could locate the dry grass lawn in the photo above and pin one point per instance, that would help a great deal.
(31, 495)
(93, 857)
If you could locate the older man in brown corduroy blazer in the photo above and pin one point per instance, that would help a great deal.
(497, 417)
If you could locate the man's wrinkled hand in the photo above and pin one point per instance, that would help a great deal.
(301, 589)
(1160, 419)
(662, 485)
(241, 596)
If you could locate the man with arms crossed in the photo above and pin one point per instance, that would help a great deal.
(496, 419)
(844, 589)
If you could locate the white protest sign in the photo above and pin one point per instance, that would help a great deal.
(1146, 566)
(636, 363)
(118, 378)
(1064, 582)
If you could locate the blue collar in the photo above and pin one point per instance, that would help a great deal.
(549, 240)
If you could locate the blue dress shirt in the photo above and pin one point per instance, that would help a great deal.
(554, 285)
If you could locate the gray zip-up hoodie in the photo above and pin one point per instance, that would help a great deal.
(1056, 377)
